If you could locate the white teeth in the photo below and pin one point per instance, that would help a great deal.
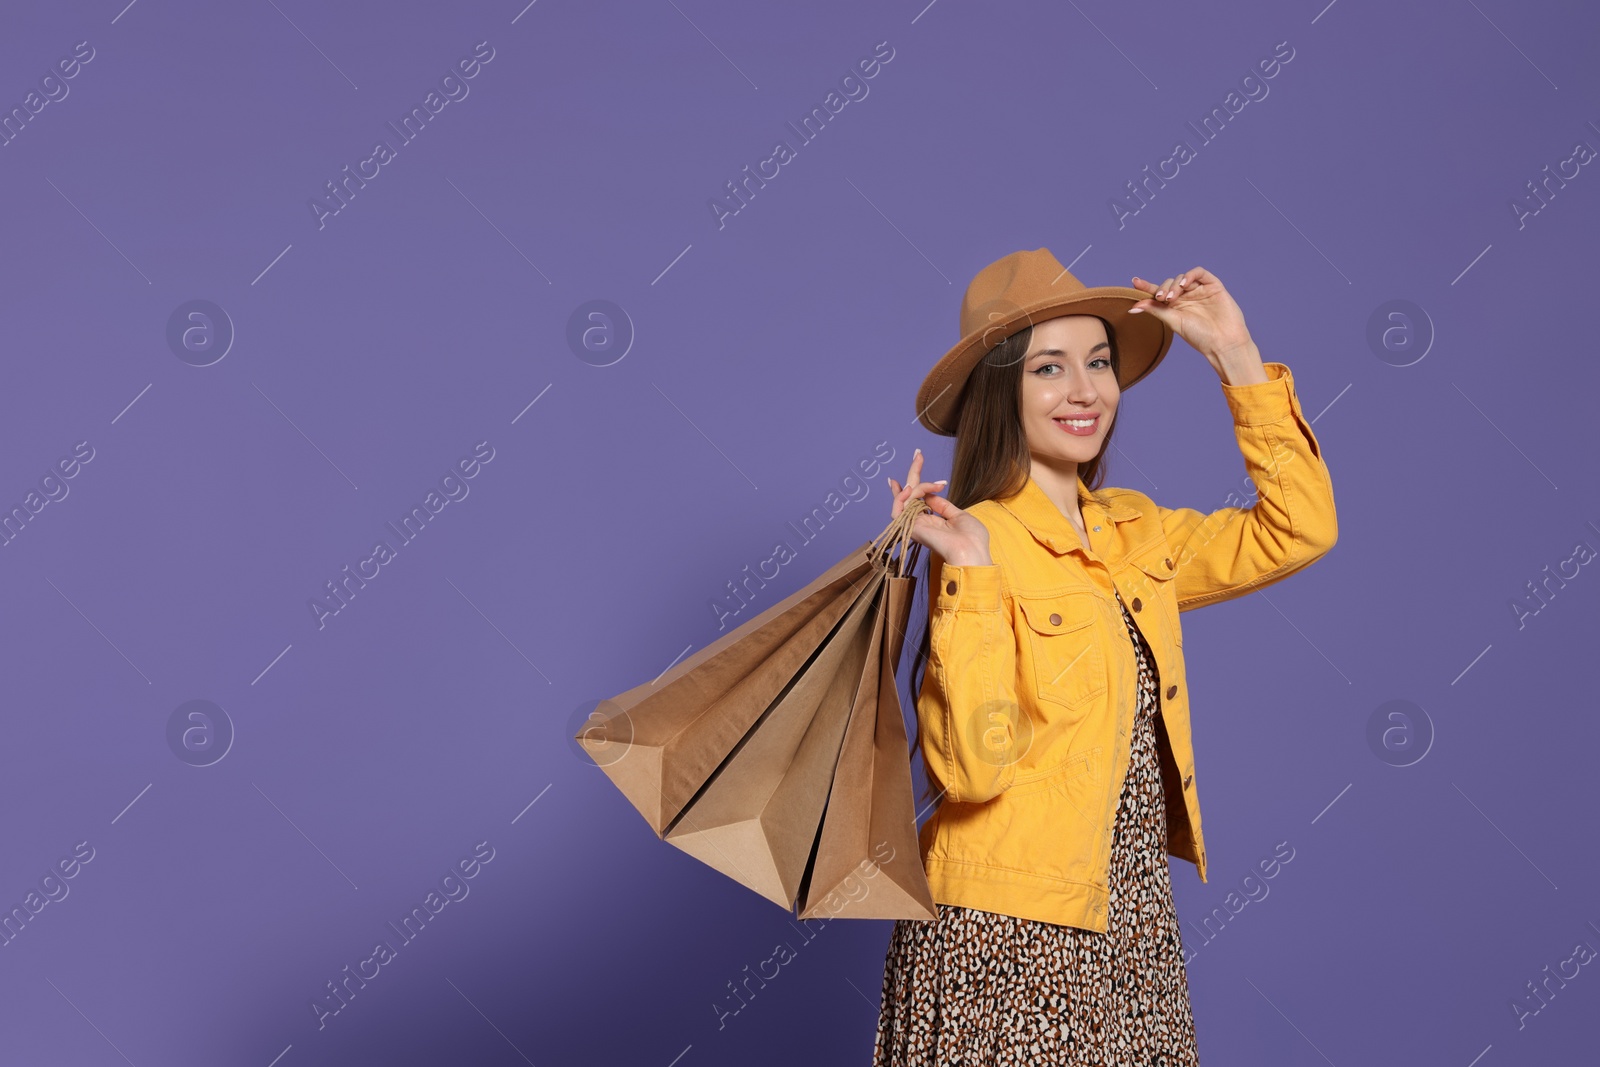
(1078, 424)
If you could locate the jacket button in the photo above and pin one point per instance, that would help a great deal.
(1172, 691)
(950, 588)
(1055, 620)
(1136, 604)
(1188, 781)
(1167, 563)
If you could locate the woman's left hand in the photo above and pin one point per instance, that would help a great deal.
(1200, 311)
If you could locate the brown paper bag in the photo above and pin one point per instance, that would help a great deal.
(661, 741)
(868, 864)
(757, 819)
(778, 754)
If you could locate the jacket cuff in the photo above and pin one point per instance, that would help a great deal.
(970, 588)
(1262, 402)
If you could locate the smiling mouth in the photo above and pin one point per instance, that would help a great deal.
(1080, 427)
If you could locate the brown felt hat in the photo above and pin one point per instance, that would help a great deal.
(1023, 289)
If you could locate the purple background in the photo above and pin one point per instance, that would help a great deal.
(769, 356)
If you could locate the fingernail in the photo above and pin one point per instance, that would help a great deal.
(1136, 311)
(918, 452)
(942, 481)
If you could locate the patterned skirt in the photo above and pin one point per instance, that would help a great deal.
(976, 987)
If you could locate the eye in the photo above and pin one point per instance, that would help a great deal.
(1043, 367)
(1101, 359)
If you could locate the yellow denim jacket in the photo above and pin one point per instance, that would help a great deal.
(1031, 683)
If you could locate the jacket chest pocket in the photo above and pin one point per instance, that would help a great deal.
(1153, 579)
(1069, 660)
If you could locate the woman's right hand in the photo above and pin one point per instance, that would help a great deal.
(957, 538)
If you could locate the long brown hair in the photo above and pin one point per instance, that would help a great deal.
(992, 459)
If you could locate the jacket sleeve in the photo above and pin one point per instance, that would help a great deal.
(968, 702)
(1233, 551)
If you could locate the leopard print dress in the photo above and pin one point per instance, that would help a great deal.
(976, 987)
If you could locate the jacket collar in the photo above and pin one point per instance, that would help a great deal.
(1035, 510)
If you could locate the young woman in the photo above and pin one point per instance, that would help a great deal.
(1053, 709)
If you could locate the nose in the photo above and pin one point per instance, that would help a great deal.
(1080, 390)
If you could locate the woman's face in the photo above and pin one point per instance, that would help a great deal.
(1067, 375)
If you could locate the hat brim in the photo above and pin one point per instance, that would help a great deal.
(1142, 342)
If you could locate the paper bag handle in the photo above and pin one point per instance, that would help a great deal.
(899, 532)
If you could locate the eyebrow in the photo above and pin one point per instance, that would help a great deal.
(1059, 352)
